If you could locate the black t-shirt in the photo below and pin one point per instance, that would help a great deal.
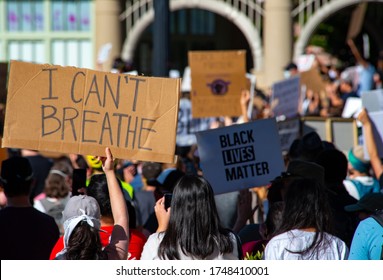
(381, 180)
(26, 234)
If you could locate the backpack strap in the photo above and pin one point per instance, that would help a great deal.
(239, 246)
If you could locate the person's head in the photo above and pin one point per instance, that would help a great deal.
(16, 176)
(81, 218)
(98, 189)
(334, 163)
(57, 184)
(306, 207)
(290, 70)
(366, 205)
(293, 152)
(378, 77)
(94, 164)
(150, 171)
(295, 169)
(357, 164)
(194, 223)
(310, 146)
(346, 85)
(166, 181)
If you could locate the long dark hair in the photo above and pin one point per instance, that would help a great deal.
(194, 225)
(84, 244)
(306, 206)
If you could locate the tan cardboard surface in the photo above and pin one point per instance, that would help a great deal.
(74, 110)
(217, 79)
(313, 80)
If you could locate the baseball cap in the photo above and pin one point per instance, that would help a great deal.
(80, 208)
(16, 169)
(79, 205)
(370, 202)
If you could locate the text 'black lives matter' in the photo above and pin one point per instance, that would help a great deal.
(239, 156)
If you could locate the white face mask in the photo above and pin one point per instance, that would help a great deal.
(332, 74)
(287, 74)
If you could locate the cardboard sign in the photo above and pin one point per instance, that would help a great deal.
(241, 156)
(313, 80)
(74, 110)
(188, 126)
(217, 79)
(285, 97)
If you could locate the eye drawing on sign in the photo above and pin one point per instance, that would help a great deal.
(219, 87)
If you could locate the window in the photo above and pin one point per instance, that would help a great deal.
(70, 15)
(71, 52)
(47, 31)
(25, 16)
(26, 50)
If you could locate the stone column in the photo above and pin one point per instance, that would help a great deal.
(107, 30)
(278, 38)
(161, 36)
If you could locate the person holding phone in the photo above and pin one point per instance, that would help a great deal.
(190, 229)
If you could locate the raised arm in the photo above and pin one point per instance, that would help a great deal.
(244, 101)
(356, 53)
(118, 246)
(370, 143)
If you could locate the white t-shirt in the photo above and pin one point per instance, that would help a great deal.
(298, 240)
(150, 251)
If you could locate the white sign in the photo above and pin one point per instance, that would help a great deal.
(103, 53)
(373, 100)
(352, 107)
(285, 98)
(186, 80)
(241, 156)
(377, 125)
(305, 62)
(187, 125)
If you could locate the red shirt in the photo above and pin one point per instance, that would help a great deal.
(136, 242)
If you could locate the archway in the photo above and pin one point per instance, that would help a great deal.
(323, 13)
(240, 20)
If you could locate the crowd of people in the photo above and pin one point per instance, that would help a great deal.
(327, 84)
(323, 206)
